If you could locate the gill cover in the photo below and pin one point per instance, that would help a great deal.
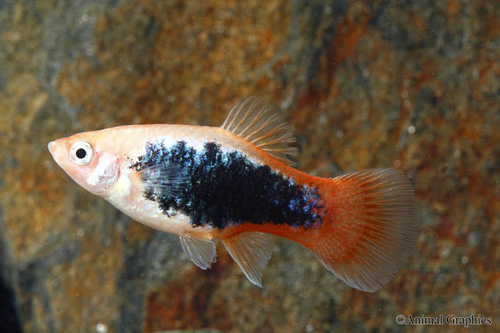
(104, 175)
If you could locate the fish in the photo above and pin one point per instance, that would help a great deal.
(237, 184)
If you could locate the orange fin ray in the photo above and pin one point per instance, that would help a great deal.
(373, 229)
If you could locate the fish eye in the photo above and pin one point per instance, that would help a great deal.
(81, 152)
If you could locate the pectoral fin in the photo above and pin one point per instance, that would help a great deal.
(163, 179)
(251, 251)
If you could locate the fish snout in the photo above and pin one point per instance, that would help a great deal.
(54, 148)
(51, 147)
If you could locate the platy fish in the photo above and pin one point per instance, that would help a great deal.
(236, 183)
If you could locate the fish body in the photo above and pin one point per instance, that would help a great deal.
(236, 183)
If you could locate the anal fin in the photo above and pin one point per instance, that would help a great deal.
(251, 251)
(200, 251)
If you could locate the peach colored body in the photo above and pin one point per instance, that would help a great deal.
(369, 222)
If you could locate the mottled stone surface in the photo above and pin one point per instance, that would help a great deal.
(409, 84)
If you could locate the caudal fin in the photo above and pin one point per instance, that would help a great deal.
(371, 228)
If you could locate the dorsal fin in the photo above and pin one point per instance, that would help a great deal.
(258, 122)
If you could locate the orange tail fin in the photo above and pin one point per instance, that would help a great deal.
(370, 229)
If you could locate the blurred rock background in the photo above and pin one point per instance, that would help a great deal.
(409, 84)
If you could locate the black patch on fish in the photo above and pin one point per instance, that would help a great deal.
(222, 188)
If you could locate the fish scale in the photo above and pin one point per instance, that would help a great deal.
(277, 200)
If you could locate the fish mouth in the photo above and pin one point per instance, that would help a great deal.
(54, 151)
(51, 147)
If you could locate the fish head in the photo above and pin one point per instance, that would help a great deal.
(89, 159)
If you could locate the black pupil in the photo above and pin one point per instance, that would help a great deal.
(81, 153)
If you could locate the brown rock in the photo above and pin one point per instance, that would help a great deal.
(366, 84)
